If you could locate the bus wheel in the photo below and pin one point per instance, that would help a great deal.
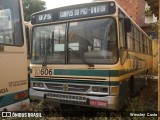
(131, 87)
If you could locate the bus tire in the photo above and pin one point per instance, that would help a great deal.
(131, 87)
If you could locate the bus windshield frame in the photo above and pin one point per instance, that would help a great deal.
(94, 40)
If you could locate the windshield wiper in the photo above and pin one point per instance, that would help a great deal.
(46, 56)
(78, 55)
(45, 60)
(47, 51)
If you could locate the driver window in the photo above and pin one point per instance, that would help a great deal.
(6, 36)
(11, 32)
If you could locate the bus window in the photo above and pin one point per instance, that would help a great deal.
(123, 42)
(137, 42)
(150, 47)
(145, 48)
(147, 45)
(141, 43)
(99, 34)
(132, 38)
(10, 26)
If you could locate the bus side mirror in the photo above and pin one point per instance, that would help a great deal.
(123, 55)
(127, 24)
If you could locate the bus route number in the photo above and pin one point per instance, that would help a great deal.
(43, 72)
(45, 17)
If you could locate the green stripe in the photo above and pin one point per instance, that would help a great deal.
(112, 83)
(74, 72)
(9, 99)
(91, 73)
(101, 73)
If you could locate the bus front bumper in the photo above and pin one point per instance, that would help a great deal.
(105, 102)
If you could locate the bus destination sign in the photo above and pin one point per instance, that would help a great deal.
(80, 12)
(74, 12)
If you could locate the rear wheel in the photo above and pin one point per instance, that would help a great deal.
(131, 87)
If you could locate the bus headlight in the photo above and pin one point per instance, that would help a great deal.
(100, 89)
(36, 84)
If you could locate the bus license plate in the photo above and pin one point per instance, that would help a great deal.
(98, 103)
(43, 71)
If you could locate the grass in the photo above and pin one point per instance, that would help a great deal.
(145, 102)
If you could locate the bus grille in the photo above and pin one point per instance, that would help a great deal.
(66, 87)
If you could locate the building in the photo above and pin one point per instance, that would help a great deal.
(135, 8)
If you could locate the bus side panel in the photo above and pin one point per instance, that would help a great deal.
(13, 74)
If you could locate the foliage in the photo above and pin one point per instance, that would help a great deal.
(148, 11)
(32, 6)
(143, 103)
(155, 26)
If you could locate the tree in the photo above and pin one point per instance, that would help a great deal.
(32, 6)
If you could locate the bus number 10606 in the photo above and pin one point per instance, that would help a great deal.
(42, 72)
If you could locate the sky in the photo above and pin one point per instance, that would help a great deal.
(59, 3)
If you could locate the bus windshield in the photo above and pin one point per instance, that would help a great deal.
(93, 40)
(49, 41)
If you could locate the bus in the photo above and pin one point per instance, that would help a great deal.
(90, 54)
(13, 58)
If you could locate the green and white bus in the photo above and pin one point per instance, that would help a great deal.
(13, 57)
(90, 54)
